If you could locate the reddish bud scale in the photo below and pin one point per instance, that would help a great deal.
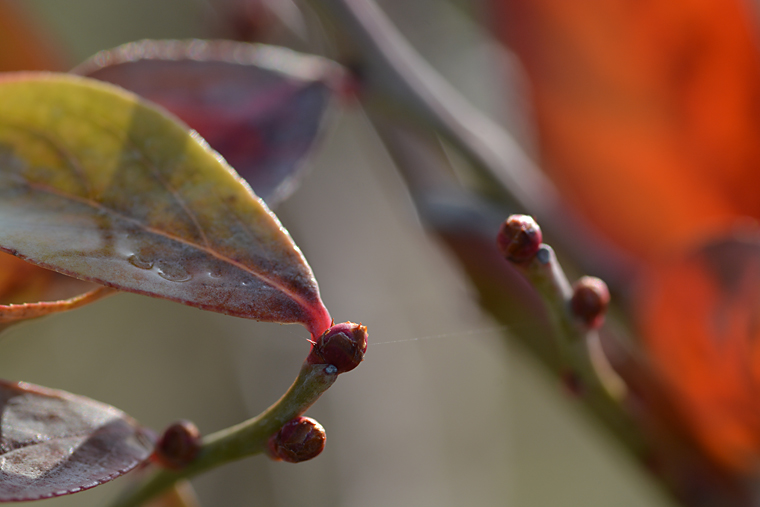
(590, 301)
(298, 440)
(178, 445)
(343, 346)
(519, 238)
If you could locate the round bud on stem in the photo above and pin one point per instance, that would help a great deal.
(342, 346)
(590, 300)
(178, 446)
(298, 440)
(519, 238)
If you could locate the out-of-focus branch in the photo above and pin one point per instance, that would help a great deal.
(397, 82)
(642, 419)
(562, 347)
(408, 101)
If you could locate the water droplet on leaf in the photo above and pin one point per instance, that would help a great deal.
(137, 262)
(173, 273)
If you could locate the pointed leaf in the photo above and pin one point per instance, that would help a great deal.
(54, 443)
(97, 184)
(28, 291)
(25, 311)
(260, 106)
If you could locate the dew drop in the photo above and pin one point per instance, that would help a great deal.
(137, 262)
(173, 273)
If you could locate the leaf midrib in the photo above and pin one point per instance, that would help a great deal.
(158, 232)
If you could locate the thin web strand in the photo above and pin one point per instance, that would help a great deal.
(458, 334)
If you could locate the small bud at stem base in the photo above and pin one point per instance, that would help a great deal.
(178, 445)
(298, 440)
(590, 301)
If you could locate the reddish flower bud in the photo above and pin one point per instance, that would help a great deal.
(519, 238)
(299, 440)
(590, 300)
(178, 446)
(342, 346)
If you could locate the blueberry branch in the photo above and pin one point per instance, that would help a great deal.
(338, 350)
(412, 108)
(245, 439)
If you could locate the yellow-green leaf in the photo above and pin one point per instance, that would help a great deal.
(260, 106)
(98, 184)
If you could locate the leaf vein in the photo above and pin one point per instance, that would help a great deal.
(207, 249)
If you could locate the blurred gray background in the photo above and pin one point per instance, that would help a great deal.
(443, 412)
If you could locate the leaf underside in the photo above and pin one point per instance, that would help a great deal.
(261, 107)
(54, 443)
(97, 184)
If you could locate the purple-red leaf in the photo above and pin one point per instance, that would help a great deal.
(54, 443)
(259, 106)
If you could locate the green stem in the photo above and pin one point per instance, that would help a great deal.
(574, 341)
(245, 439)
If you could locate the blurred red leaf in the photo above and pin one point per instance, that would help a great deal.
(21, 281)
(97, 184)
(54, 443)
(700, 317)
(648, 112)
(649, 119)
(261, 107)
(28, 291)
(24, 44)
